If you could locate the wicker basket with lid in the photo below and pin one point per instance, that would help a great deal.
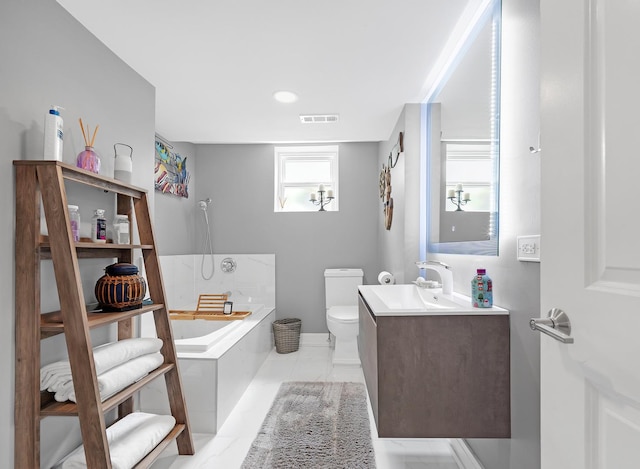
(121, 288)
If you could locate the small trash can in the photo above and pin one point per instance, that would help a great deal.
(286, 333)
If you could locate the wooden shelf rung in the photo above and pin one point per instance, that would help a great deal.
(157, 451)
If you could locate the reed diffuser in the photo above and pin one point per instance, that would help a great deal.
(88, 159)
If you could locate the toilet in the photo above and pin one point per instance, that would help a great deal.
(341, 293)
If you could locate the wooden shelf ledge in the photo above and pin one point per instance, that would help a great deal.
(51, 323)
(68, 408)
(73, 173)
(96, 251)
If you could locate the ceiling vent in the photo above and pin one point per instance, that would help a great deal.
(319, 118)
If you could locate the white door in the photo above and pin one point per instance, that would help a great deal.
(590, 140)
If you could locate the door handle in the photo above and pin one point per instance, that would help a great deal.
(556, 325)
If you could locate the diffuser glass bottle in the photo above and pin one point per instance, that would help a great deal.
(88, 159)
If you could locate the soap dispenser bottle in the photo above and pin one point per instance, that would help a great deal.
(481, 290)
(53, 134)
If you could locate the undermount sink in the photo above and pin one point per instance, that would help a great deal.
(411, 297)
(413, 300)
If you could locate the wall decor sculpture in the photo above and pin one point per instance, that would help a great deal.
(385, 181)
(385, 195)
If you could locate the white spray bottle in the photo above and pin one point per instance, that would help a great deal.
(53, 134)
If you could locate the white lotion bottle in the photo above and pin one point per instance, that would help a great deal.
(53, 134)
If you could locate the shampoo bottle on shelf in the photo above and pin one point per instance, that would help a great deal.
(99, 227)
(74, 219)
(481, 290)
(53, 134)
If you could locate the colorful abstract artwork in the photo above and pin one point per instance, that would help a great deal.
(171, 175)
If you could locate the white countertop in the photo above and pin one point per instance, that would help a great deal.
(411, 300)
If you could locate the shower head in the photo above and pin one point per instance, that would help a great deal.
(204, 204)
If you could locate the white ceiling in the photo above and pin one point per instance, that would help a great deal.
(215, 64)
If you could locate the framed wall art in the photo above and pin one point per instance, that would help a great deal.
(171, 175)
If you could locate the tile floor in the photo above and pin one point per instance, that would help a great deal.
(227, 449)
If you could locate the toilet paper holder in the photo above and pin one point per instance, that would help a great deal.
(386, 278)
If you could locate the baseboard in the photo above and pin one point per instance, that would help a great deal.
(464, 455)
(315, 339)
(347, 361)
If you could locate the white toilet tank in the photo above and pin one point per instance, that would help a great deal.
(341, 286)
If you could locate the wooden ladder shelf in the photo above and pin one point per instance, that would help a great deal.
(44, 181)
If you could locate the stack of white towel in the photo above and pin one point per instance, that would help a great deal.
(130, 439)
(118, 364)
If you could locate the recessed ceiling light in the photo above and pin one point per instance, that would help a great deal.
(285, 97)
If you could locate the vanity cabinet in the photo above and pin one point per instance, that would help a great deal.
(437, 376)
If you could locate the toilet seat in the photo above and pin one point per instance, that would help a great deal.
(343, 314)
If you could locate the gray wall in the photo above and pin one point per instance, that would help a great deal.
(239, 179)
(46, 58)
(516, 284)
(400, 245)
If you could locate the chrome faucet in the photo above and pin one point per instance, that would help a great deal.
(446, 275)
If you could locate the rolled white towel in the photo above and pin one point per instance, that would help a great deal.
(130, 439)
(117, 378)
(54, 373)
(58, 374)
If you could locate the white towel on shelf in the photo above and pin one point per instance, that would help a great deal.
(130, 439)
(105, 357)
(117, 378)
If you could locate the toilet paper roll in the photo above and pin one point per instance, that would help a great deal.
(386, 278)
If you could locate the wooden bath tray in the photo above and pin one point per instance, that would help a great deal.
(210, 307)
(185, 314)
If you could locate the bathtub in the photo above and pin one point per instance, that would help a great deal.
(199, 335)
(217, 361)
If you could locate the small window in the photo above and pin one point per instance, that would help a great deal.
(300, 172)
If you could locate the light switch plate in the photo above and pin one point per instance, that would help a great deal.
(529, 248)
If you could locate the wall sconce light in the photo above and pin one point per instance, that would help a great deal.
(399, 149)
(323, 200)
(457, 197)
